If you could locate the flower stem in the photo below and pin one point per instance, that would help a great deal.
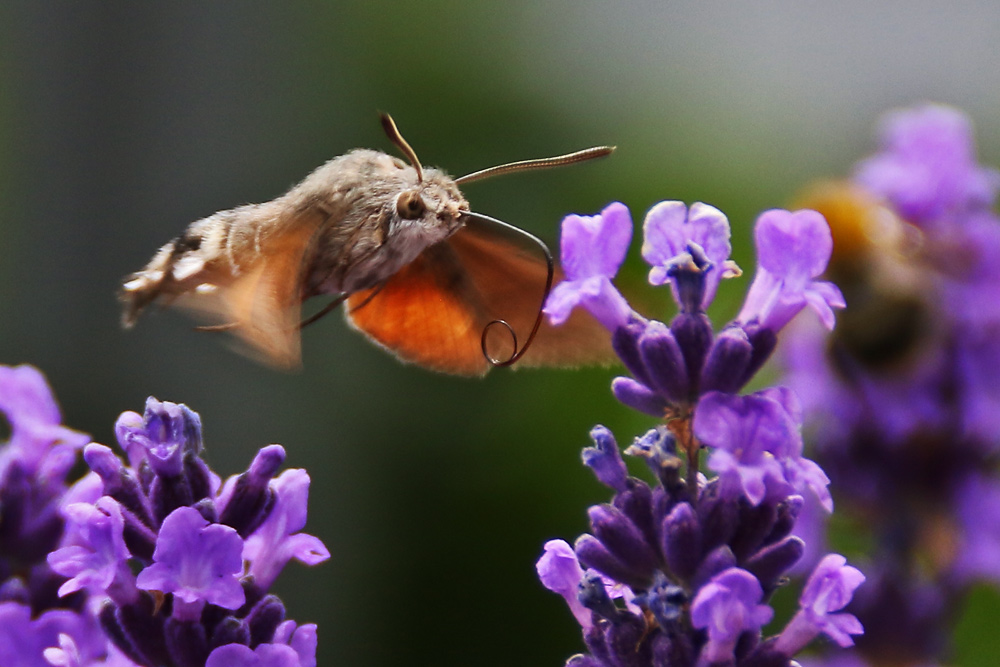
(680, 426)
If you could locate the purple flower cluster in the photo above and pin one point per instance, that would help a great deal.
(35, 464)
(904, 397)
(169, 561)
(680, 573)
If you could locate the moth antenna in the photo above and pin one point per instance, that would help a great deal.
(550, 266)
(389, 125)
(540, 163)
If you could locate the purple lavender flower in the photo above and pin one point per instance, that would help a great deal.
(726, 607)
(709, 562)
(903, 398)
(680, 241)
(792, 250)
(37, 433)
(196, 561)
(24, 636)
(593, 248)
(277, 540)
(927, 166)
(34, 466)
(757, 447)
(97, 553)
(695, 560)
(829, 589)
(559, 571)
(204, 552)
(674, 367)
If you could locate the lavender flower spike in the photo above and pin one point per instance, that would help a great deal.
(792, 250)
(697, 558)
(592, 250)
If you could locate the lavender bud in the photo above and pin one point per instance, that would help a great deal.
(639, 397)
(636, 503)
(623, 539)
(717, 516)
(682, 541)
(592, 594)
(168, 493)
(186, 642)
(143, 631)
(230, 631)
(713, 563)
(605, 460)
(119, 482)
(754, 525)
(788, 513)
(199, 477)
(594, 554)
(252, 498)
(264, 618)
(664, 362)
(693, 332)
(763, 342)
(772, 562)
(726, 365)
(625, 342)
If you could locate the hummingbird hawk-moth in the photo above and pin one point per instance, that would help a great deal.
(418, 272)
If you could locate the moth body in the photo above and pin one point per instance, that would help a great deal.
(348, 208)
(418, 272)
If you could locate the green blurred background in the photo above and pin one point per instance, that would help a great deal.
(122, 122)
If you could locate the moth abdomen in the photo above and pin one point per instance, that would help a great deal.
(200, 256)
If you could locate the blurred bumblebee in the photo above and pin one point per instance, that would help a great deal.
(878, 263)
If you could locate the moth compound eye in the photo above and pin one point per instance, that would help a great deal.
(410, 205)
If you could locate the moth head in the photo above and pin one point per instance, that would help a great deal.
(434, 197)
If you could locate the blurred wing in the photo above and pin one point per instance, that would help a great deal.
(261, 303)
(508, 271)
(434, 311)
(424, 314)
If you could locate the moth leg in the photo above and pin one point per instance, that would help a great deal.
(327, 309)
(229, 326)
(371, 295)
